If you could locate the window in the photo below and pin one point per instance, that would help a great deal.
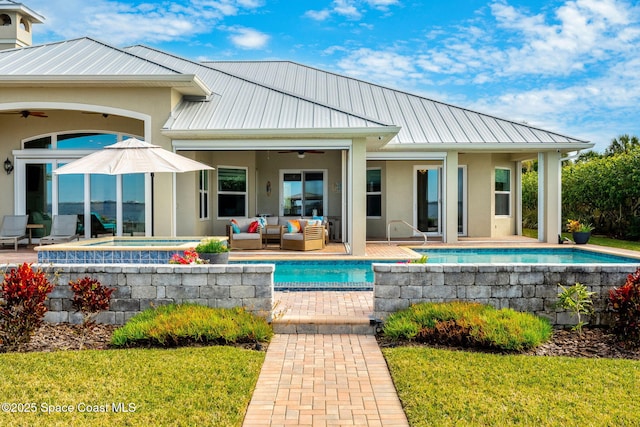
(302, 193)
(204, 194)
(232, 192)
(374, 193)
(503, 191)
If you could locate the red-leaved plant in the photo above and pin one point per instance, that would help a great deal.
(89, 298)
(624, 302)
(22, 308)
(190, 257)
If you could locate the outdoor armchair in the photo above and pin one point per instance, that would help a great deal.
(14, 229)
(63, 229)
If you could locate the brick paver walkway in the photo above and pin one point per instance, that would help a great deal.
(324, 380)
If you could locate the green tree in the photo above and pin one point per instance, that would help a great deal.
(622, 144)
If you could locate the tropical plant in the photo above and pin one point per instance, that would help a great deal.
(575, 226)
(212, 246)
(622, 144)
(89, 298)
(22, 306)
(578, 300)
(624, 302)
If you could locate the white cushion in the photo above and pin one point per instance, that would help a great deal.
(246, 236)
(293, 236)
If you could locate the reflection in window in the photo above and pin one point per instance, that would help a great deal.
(204, 194)
(85, 141)
(503, 191)
(303, 193)
(133, 206)
(374, 193)
(232, 192)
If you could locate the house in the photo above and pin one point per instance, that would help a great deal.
(284, 138)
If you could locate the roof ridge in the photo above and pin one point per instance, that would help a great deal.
(276, 89)
(411, 95)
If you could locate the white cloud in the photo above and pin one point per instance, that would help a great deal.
(350, 9)
(127, 23)
(248, 38)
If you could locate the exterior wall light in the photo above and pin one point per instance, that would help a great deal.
(8, 166)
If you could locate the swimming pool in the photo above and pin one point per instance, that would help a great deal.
(358, 274)
(521, 255)
(327, 275)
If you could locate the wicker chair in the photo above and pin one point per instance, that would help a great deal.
(310, 238)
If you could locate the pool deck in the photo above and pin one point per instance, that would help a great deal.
(316, 372)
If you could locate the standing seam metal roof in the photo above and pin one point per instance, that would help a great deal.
(422, 120)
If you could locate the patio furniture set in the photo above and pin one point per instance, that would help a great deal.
(299, 234)
(15, 228)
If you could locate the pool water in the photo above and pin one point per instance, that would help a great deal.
(358, 274)
(521, 255)
(142, 242)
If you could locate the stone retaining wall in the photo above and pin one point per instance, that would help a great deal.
(530, 288)
(139, 287)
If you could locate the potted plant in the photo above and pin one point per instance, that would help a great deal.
(581, 232)
(213, 250)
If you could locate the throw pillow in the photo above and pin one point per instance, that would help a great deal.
(253, 227)
(312, 222)
(293, 226)
(234, 226)
(262, 221)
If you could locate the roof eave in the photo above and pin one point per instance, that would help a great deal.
(377, 135)
(188, 84)
(565, 147)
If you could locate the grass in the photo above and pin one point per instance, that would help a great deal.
(179, 324)
(455, 388)
(204, 386)
(594, 240)
(476, 325)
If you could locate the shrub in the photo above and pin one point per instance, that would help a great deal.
(22, 309)
(183, 324)
(576, 299)
(468, 324)
(624, 302)
(89, 298)
(212, 246)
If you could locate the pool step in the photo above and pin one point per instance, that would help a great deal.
(291, 324)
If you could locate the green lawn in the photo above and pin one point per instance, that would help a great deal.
(455, 388)
(203, 386)
(594, 240)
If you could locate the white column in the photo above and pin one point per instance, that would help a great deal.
(451, 198)
(357, 225)
(549, 195)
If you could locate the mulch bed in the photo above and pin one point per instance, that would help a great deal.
(593, 343)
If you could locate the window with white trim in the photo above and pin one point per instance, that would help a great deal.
(232, 192)
(204, 194)
(502, 191)
(374, 193)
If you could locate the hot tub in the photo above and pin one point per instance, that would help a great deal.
(118, 250)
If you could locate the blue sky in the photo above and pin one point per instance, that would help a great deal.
(571, 66)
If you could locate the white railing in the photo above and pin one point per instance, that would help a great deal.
(393, 221)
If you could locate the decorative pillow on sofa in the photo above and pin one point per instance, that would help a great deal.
(312, 222)
(293, 226)
(234, 226)
(253, 227)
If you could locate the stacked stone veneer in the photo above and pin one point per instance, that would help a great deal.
(143, 286)
(530, 288)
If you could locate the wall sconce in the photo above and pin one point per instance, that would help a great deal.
(301, 154)
(8, 166)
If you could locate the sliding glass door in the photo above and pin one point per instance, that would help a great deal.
(303, 193)
(428, 199)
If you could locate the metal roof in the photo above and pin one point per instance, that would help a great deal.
(241, 104)
(84, 60)
(422, 120)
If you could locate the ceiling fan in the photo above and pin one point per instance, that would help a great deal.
(27, 113)
(301, 153)
(105, 115)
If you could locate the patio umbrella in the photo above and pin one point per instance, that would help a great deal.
(132, 156)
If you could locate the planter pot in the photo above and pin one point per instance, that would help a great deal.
(581, 237)
(219, 258)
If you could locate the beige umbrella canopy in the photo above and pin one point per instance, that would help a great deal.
(131, 156)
